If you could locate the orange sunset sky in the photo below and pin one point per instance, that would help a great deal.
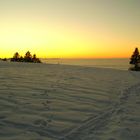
(70, 28)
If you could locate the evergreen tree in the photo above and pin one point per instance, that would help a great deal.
(16, 57)
(135, 58)
(35, 59)
(28, 57)
(34, 56)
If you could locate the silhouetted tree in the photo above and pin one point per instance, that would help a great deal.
(34, 56)
(35, 59)
(135, 59)
(15, 57)
(28, 57)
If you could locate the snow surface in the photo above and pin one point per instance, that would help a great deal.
(61, 102)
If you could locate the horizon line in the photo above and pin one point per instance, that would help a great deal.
(77, 57)
(84, 58)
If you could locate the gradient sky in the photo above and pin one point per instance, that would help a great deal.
(70, 28)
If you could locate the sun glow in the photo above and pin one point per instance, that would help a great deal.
(53, 31)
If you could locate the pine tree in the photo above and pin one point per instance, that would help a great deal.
(15, 57)
(28, 57)
(135, 58)
(34, 56)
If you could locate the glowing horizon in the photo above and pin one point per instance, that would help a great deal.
(69, 29)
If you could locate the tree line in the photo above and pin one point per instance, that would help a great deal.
(28, 57)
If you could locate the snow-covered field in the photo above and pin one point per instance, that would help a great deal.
(60, 102)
